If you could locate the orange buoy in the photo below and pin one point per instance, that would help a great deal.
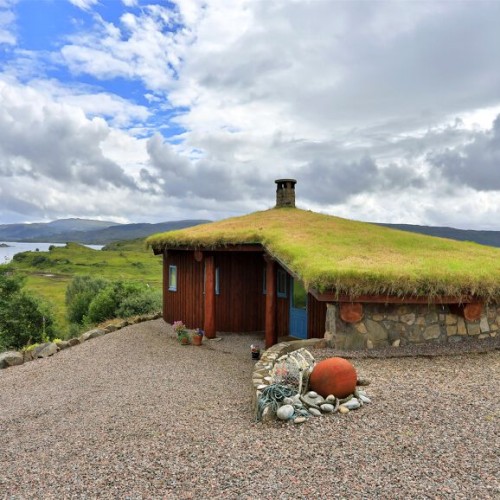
(333, 376)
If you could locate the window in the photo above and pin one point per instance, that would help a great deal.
(299, 296)
(172, 278)
(264, 280)
(281, 285)
(217, 281)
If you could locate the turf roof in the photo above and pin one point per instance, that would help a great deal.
(355, 258)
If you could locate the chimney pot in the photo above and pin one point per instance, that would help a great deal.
(285, 193)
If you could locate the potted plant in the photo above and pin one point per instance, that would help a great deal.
(197, 337)
(182, 332)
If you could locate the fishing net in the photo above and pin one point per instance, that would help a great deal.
(293, 370)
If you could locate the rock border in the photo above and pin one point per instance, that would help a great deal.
(16, 358)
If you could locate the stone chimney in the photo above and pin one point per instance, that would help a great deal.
(285, 193)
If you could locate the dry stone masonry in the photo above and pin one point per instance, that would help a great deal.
(399, 325)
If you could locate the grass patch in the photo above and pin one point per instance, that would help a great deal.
(331, 253)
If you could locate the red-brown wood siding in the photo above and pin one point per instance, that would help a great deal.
(185, 304)
(240, 304)
(316, 318)
(283, 311)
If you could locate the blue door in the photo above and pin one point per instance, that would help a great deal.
(298, 310)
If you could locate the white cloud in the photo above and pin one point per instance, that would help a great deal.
(84, 4)
(7, 22)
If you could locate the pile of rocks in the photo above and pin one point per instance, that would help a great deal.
(14, 358)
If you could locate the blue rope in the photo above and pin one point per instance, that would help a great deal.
(272, 396)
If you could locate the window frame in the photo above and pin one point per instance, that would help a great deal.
(281, 279)
(172, 278)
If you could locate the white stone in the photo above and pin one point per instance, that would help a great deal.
(312, 394)
(331, 398)
(352, 404)
(327, 408)
(483, 325)
(396, 343)
(299, 420)
(314, 412)
(285, 412)
(288, 401)
(364, 398)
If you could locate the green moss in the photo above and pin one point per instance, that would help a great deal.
(331, 253)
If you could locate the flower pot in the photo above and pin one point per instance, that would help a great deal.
(184, 340)
(196, 339)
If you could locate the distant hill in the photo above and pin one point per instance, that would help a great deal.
(491, 238)
(43, 231)
(87, 231)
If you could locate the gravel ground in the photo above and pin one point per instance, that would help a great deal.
(135, 415)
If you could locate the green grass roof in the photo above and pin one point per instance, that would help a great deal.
(356, 258)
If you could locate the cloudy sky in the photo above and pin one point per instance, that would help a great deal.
(148, 110)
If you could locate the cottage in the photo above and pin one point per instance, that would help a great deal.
(292, 272)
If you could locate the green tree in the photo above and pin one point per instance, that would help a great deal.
(23, 318)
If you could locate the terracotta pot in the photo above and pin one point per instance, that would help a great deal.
(333, 376)
(184, 340)
(197, 339)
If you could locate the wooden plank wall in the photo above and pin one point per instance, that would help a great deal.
(186, 304)
(316, 318)
(240, 305)
(283, 311)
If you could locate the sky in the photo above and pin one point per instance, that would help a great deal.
(150, 110)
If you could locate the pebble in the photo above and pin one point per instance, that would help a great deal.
(314, 412)
(352, 404)
(327, 408)
(331, 398)
(288, 401)
(299, 420)
(343, 409)
(285, 412)
(312, 394)
(364, 398)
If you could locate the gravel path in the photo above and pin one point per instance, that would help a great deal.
(135, 415)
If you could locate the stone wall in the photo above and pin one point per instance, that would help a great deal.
(386, 325)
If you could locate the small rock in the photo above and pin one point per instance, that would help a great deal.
(343, 409)
(285, 412)
(73, 342)
(298, 405)
(11, 358)
(261, 386)
(331, 398)
(288, 401)
(352, 404)
(364, 398)
(92, 334)
(44, 350)
(327, 408)
(396, 343)
(299, 420)
(314, 412)
(363, 381)
(62, 344)
(312, 394)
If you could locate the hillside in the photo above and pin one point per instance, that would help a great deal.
(87, 231)
(491, 238)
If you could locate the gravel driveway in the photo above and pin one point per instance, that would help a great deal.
(135, 415)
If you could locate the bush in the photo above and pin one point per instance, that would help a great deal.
(23, 318)
(146, 302)
(80, 293)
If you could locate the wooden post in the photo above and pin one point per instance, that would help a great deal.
(165, 284)
(209, 320)
(271, 332)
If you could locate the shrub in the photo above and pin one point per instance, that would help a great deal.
(80, 293)
(145, 302)
(23, 318)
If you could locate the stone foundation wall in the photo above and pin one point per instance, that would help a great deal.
(385, 325)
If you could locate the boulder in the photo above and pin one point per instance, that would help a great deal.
(72, 342)
(44, 350)
(62, 344)
(11, 358)
(92, 334)
(111, 328)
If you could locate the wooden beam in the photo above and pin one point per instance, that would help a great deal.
(209, 319)
(389, 299)
(472, 311)
(271, 334)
